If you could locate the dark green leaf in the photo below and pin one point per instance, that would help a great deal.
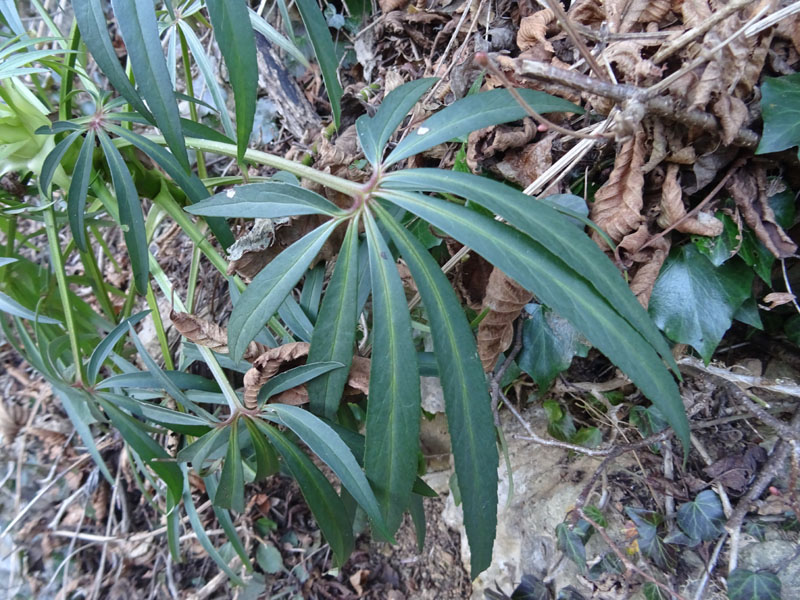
(550, 229)
(693, 302)
(780, 108)
(12, 307)
(570, 544)
(158, 414)
(137, 23)
(231, 20)
(393, 411)
(748, 314)
(590, 437)
(608, 564)
(559, 421)
(78, 187)
(73, 400)
(536, 268)
(548, 344)
(104, 348)
(334, 334)
(151, 380)
(467, 402)
(297, 376)
(94, 31)
(198, 451)
(226, 522)
(188, 182)
(531, 588)
(374, 132)
(148, 450)
(268, 289)
(202, 536)
(749, 585)
(322, 499)
(475, 112)
(266, 459)
(329, 447)
(230, 492)
(53, 160)
(325, 52)
(130, 212)
(269, 200)
(723, 247)
(703, 517)
(417, 510)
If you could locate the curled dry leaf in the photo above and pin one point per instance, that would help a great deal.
(388, 6)
(627, 56)
(288, 356)
(587, 12)
(533, 30)
(504, 298)
(673, 210)
(209, 334)
(776, 299)
(649, 261)
(486, 143)
(749, 191)
(732, 114)
(524, 166)
(618, 203)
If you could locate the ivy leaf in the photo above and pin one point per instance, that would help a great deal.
(570, 544)
(703, 517)
(694, 303)
(749, 585)
(548, 344)
(780, 108)
(531, 588)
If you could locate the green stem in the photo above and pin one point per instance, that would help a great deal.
(68, 75)
(159, 325)
(187, 68)
(98, 283)
(194, 270)
(263, 158)
(63, 290)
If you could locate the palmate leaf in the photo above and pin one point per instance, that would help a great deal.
(325, 52)
(268, 289)
(748, 585)
(94, 31)
(536, 268)
(323, 441)
(238, 47)
(78, 188)
(130, 211)
(552, 230)
(374, 132)
(469, 415)
(475, 112)
(268, 200)
(137, 23)
(322, 499)
(571, 544)
(702, 518)
(393, 412)
(334, 334)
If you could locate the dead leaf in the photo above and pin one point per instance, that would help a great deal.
(736, 471)
(627, 55)
(650, 261)
(618, 203)
(749, 190)
(288, 356)
(776, 299)
(525, 165)
(673, 209)
(533, 30)
(210, 335)
(359, 578)
(388, 6)
(732, 114)
(504, 298)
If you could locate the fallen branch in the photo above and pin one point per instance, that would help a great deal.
(638, 104)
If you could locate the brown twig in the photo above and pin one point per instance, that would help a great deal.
(662, 106)
(569, 28)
